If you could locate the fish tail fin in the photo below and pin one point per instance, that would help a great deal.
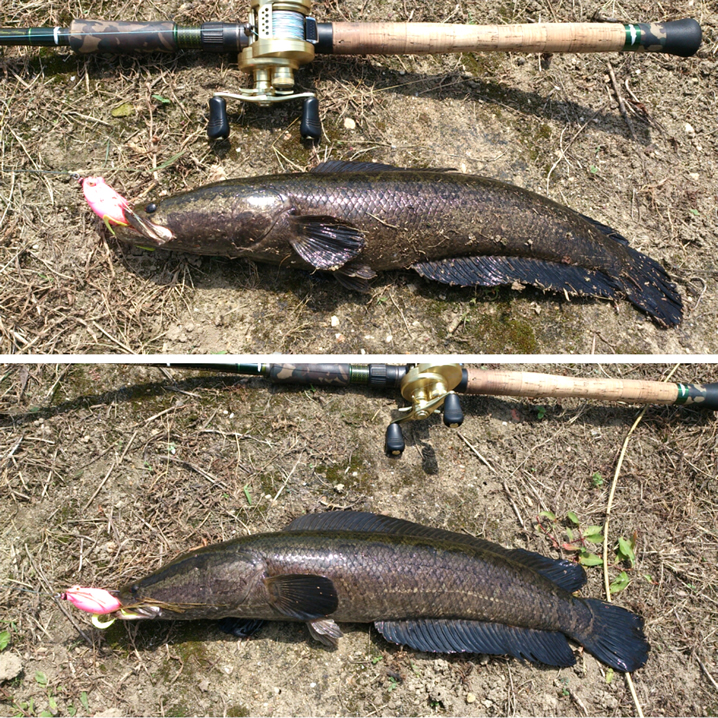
(647, 285)
(614, 635)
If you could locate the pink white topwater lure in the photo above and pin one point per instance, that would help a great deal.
(105, 202)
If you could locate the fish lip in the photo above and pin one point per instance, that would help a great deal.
(138, 612)
(155, 232)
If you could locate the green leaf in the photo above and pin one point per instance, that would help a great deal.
(694, 212)
(597, 480)
(541, 412)
(247, 495)
(124, 110)
(53, 704)
(609, 675)
(548, 514)
(569, 533)
(71, 710)
(619, 583)
(41, 678)
(45, 714)
(571, 516)
(376, 660)
(586, 558)
(625, 551)
(161, 99)
(4, 640)
(593, 534)
(594, 169)
(84, 701)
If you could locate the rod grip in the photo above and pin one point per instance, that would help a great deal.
(704, 396)
(317, 374)
(678, 37)
(88, 36)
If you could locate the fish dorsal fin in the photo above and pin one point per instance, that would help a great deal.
(605, 229)
(302, 596)
(339, 166)
(460, 636)
(336, 166)
(325, 242)
(569, 576)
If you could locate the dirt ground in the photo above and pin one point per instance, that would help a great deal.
(109, 472)
(548, 124)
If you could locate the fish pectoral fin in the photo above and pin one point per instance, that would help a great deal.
(462, 636)
(302, 596)
(240, 627)
(325, 631)
(325, 242)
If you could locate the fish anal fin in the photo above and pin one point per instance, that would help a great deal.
(240, 627)
(492, 271)
(325, 242)
(462, 636)
(325, 631)
(302, 596)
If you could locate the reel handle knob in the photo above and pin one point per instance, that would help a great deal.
(453, 415)
(311, 126)
(394, 441)
(218, 125)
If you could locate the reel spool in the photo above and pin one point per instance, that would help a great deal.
(282, 37)
(428, 387)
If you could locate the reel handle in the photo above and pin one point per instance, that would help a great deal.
(218, 125)
(394, 443)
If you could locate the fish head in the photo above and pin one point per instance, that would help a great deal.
(202, 584)
(224, 219)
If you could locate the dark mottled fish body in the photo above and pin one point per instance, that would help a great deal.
(427, 588)
(356, 219)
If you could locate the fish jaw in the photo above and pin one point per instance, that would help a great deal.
(155, 233)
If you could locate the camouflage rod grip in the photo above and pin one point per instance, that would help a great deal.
(88, 36)
(531, 384)
(376, 375)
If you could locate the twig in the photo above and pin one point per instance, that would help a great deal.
(481, 458)
(97, 490)
(710, 677)
(621, 103)
(611, 494)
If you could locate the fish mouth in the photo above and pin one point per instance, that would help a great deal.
(134, 613)
(149, 230)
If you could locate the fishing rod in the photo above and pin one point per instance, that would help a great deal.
(431, 387)
(281, 36)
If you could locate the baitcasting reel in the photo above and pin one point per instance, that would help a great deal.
(428, 387)
(281, 38)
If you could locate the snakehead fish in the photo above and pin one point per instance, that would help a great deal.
(430, 589)
(354, 219)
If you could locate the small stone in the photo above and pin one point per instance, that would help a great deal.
(470, 698)
(203, 685)
(10, 666)
(349, 124)
(335, 321)
(689, 130)
(339, 488)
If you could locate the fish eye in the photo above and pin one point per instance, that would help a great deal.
(135, 588)
(150, 208)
